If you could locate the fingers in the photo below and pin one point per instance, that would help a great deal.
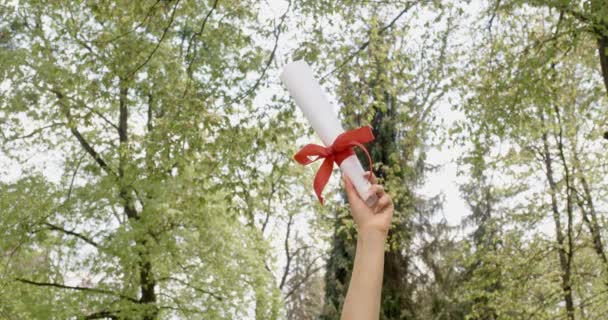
(373, 178)
(377, 190)
(383, 203)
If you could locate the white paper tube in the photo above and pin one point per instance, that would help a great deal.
(311, 99)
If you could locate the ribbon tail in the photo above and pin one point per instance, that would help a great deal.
(322, 177)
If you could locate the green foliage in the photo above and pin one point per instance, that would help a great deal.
(155, 182)
(148, 107)
(534, 111)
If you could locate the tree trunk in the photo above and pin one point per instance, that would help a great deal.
(339, 265)
(562, 253)
(590, 215)
(602, 46)
(147, 281)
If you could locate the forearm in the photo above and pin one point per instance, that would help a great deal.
(364, 291)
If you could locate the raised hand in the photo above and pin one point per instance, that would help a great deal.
(376, 218)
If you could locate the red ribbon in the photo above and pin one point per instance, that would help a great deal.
(341, 149)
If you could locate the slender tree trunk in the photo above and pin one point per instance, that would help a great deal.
(147, 281)
(570, 214)
(602, 46)
(589, 214)
(339, 266)
(599, 27)
(562, 252)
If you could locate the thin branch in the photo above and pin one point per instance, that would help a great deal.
(123, 116)
(71, 30)
(162, 37)
(187, 284)
(273, 190)
(149, 124)
(277, 35)
(602, 48)
(560, 145)
(435, 83)
(83, 142)
(90, 150)
(288, 255)
(99, 114)
(494, 14)
(72, 233)
(366, 43)
(82, 104)
(576, 14)
(553, 191)
(36, 131)
(594, 23)
(71, 188)
(148, 15)
(307, 276)
(76, 288)
(198, 34)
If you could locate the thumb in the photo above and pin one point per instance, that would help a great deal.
(351, 193)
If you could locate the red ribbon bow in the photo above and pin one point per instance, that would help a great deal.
(341, 149)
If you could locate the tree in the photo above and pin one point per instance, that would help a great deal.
(146, 106)
(528, 96)
(575, 18)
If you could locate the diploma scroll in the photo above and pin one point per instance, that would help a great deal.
(311, 99)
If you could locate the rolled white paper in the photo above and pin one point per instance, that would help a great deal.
(311, 99)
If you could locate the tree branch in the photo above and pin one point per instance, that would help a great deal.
(187, 284)
(307, 276)
(277, 34)
(123, 138)
(162, 37)
(561, 250)
(139, 25)
(602, 47)
(76, 288)
(287, 253)
(366, 43)
(493, 16)
(36, 131)
(71, 188)
(123, 116)
(149, 124)
(198, 34)
(90, 150)
(76, 133)
(595, 25)
(72, 233)
(99, 114)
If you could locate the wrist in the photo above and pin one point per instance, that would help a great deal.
(372, 233)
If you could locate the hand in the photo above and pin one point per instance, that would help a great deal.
(376, 218)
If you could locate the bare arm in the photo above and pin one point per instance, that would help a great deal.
(364, 291)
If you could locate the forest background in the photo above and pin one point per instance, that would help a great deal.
(146, 170)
